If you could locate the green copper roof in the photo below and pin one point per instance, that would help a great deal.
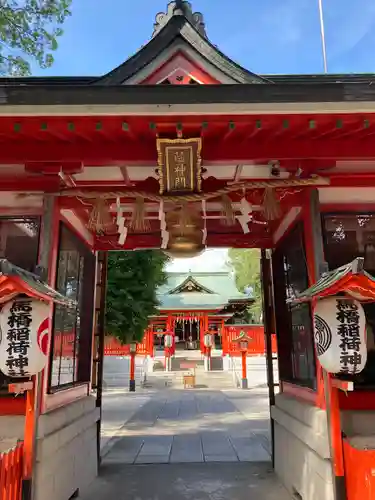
(219, 288)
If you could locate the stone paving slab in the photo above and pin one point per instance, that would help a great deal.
(152, 459)
(230, 457)
(157, 445)
(250, 450)
(187, 449)
(125, 450)
(217, 444)
(177, 426)
(119, 406)
(208, 481)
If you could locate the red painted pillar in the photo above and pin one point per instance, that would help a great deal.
(29, 440)
(244, 370)
(151, 342)
(132, 372)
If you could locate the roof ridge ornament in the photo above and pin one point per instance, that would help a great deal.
(180, 8)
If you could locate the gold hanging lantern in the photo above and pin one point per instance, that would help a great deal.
(184, 225)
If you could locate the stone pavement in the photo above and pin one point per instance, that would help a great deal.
(209, 481)
(198, 444)
(119, 405)
(177, 426)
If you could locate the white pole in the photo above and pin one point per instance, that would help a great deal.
(322, 34)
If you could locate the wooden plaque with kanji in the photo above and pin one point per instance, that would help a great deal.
(179, 163)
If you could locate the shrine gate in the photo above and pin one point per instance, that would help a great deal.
(181, 148)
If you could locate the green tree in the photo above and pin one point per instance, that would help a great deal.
(133, 278)
(246, 264)
(29, 30)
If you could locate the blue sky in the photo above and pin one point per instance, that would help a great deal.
(268, 36)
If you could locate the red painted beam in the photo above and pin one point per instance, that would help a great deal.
(25, 183)
(352, 180)
(153, 241)
(54, 168)
(144, 152)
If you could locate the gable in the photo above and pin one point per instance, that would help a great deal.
(190, 285)
(178, 35)
(179, 69)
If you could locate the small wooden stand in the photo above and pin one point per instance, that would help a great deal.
(189, 378)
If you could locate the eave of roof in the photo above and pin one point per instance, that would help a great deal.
(302, 79)
(184, 94)
(16, 281)
(350, 279)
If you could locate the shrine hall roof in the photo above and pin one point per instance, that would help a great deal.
(178, 28)
(200, 291)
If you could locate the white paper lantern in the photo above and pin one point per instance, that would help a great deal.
(24, 337)
(208, 340)
(340, 335)
(168, 340)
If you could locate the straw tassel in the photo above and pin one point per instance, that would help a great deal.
(100, 220)
(271, 205)
(227, 210)
(139, 223)
(184, 218)
(204, 215)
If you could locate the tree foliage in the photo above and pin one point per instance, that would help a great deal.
(29, 30)
(133, 278)
(246, 264)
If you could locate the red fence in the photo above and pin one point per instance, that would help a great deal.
(257, 345)
(113, 347)
(64, 343)
(11, 473)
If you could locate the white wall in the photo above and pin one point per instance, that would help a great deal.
(117, 370)
(67, 450)
(66, 458)
(256, 370)
(302, 448)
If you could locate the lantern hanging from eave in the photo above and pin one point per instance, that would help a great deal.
(168, 340)
(24, 324)
(208, 340)
(340, 335)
